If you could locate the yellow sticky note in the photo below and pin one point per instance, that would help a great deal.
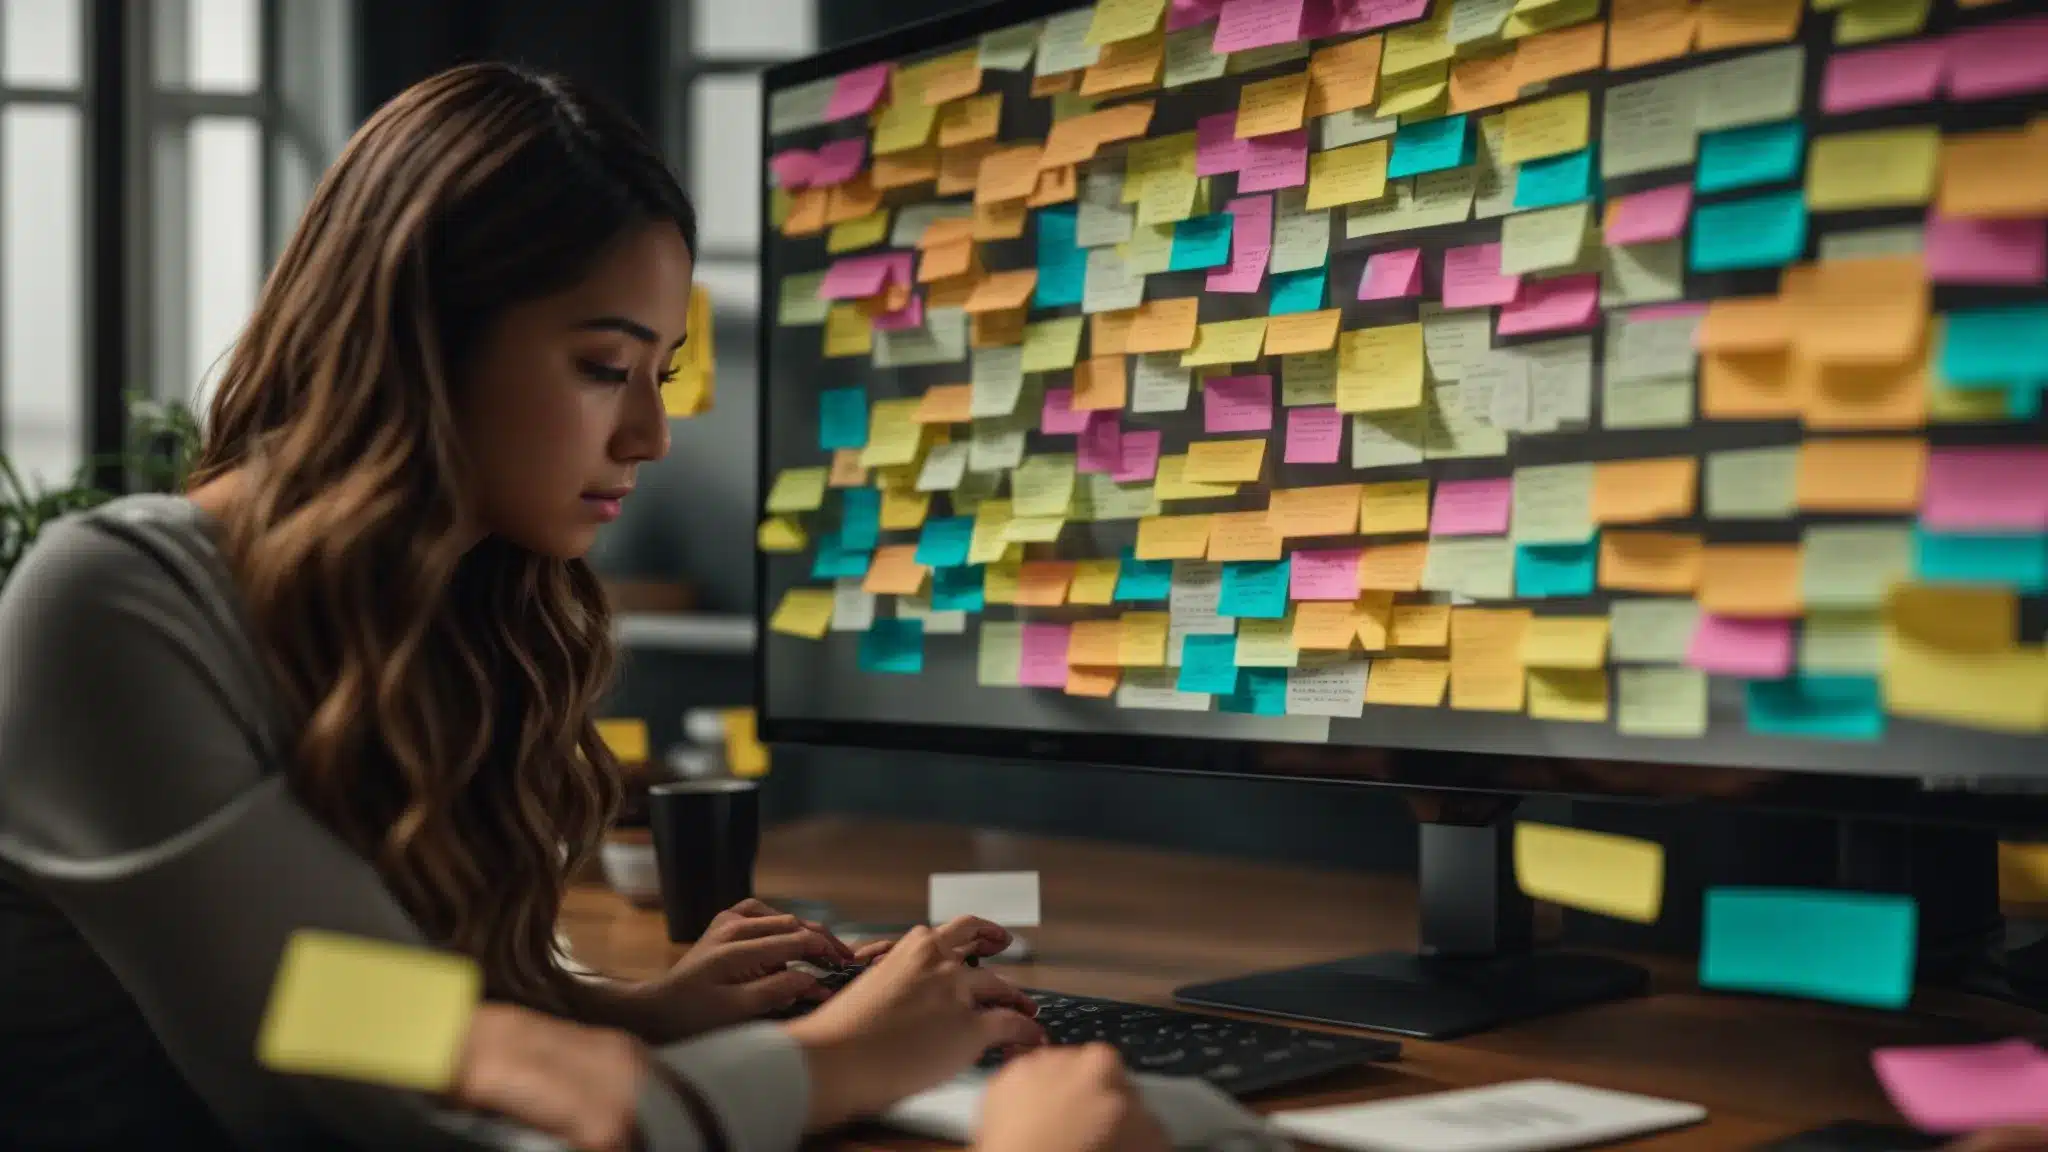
(1124, 20)
(1409, 682)
(1569, 642)
(369, 1011)
(1420, 626)
(848, 331)
(1052, 345)
(1144, 639)
(797, 490)
(781, 534)
(1226, 342)
(1242, 536)
(1172, 482)
(1375, 619)
(1617, 876)
(1534, 19)
(1394, 507)
(904, 125)
(744, 752)
(1326, 625)
(1881, 168)
(1094, 582)
(1347, 175)
(1380, 369)
(1424, 42)
(986, 544)
(1267, 643)
(1486, 659)
(1549, 127)
(860, 232)
(904, 508)
(1868, 21)
(1225, 461)
(1302, 332)
(803, 612)
(1999, 175)
(626, 737)
(894, 433)
(1957, 618)
(1002, 581)
(1997, 691)
(1412, 93)
(1324, 510)
(1173, 537)
(1578, 696)
(2023, 873)
(1271, 106)
(1043, 485)
(1640, 491)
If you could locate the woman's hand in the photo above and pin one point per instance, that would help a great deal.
(738, 971)
(964, 936)
(752, 909)
(577, 1084)
(1066, 1100)
(916, 1017)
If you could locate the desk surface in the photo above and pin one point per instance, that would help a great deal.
(1133, 925)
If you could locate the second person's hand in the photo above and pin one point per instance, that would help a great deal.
(1066, 1100)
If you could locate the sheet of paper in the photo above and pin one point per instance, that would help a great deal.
(1334, 690)
(1598, 872)
(1788, 942)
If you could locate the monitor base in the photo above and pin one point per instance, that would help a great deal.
(1428, 997)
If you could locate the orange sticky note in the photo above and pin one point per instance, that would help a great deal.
(946, 230)
(1375, 619)
(807, 211)
(1641, 491)
(950, 77)
(970, 120)
(1072, 141)
(1751, 580)
(1054, 84)
(999, 220)
(906, 169)
(894, 299)
(1408, 682)
(1393, 567)
(953, 291)
(1043, 583)
(1123, 122)
(1482, 82)
(1747, 386)
(1841, 397)
(960, 168)
(1008, 174)
(1055, 186)
(1302, 332)
(1861, 475)
(2001, 174)
(894, 571)
(1003, 291)
(1325, 510)
(847, 471)
(1126, 66)
(996, 329)
(1645, 31)
(1099, 683)
(1109, 333)
(1343, 76)
(1163, 325)
(1421, 626)
(1650, 561)
(1866, 311)
(852, 200)
(1744, 324)
(1242, 536)
(1735, 23)
(1095, 642)
(1173, 537)
(1565, 52)
(947, 260)
(1486, 658)
(1326, 625)
(1393, 508)
(1271, 106)
(1226, 461)
(1144, 642)
(1100, 384)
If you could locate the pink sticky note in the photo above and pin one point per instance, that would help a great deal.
(856, 93)
(1189, 13)
(1237, 404)
(840, 161)
(1247, 24)
(1392, 275)
(794, 167)
(2009, 58)
(1658, 214)
(909, 316)
(1323, 574)
(1966, 1087)
(1251, 244)
(1101, 446)
(1044, 664)
(1987, 489)
(1314, 435)
(1961, 250)
(1472, 278)
(1366, 15)
(1275, 162)
(897, 268)
(1885, 77)
(1058, 418)
(1731, 646)
(1680, 310)
(1140, 457)
(1472, 507)
(1218, 151)
(1561, 304)
(855, 278)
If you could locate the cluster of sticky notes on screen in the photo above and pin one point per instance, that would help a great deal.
(349, 1008)
(1673, 368)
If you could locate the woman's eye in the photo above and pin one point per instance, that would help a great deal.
(604, 373)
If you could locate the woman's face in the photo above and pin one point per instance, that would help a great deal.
(564, 400)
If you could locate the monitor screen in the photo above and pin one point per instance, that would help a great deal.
(1298, 386)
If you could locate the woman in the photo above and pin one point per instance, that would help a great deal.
(347, 684)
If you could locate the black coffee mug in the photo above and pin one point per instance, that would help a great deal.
(706, 835)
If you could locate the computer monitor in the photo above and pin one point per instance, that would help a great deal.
(1470, 398)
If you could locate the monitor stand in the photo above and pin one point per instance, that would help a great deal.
(1476, 968)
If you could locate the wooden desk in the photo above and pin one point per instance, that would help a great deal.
(1133, 925)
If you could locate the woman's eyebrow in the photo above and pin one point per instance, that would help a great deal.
(632, 328)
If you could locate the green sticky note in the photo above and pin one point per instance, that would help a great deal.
(1849, 947)
(367, 1010)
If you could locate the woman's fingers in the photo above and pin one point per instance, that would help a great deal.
(778, 991)
(995, 992)
(1002, 1028)
(753, 955)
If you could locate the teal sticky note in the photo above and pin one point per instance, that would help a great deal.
(2019, 561)
(1429, 146)
(1208, 664)
(962, 589)
(1062, 263)
(842, 418)
(1202, 242)
(1556, 569)
(1849, 947)
(2023, 403)
(834, 559)
(893, 645)
(1142, 581)
(1747, 156)
(1254, 589)
(1261, 692)
(2002, 346)
(1555, 180)
(1298, 291)
(943, 543)
(1821, 707)
(860, 518)
(1757, 232)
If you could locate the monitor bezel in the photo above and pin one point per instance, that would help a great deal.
(1897, 798)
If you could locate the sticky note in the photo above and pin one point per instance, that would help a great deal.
(1854, 565)
(1966, 1087)
(1968, 251)
(1297, 291)
(1201, 242)
(1271, 106)
(1880, 168)
(1158, 326)
(1554, 180)
(893, 646)
(1816, 707)
(1992, 346)
(1472, 507)
(1242, 536)
(1430, 146)
(1661, 702)
(1314, 435)
(1343, 76)
(1420, 626)
(1885, 77)
(369, 1011)
(1173, 537)
(1545, 239)
(1997, 174)
(1736, 23)
(1225, 461)
(1392, 275)
(1599, 872)
(1209, 664)
(1751, 580)
(1556, 570)
(1749, 155)
(1408, 681)
(1861, 475)
(1753, 649)
(1558, 304)
(1255, 589)
(1652, 630)
(1226, 342)
(1325, 625)
(1380, 369)
(1347, 175)
(1275, 162)
(1324, 574)
(1991, 489)
(1143, 639)
(1790, 942)
(1486, 665)
(1546, 127)
(1648, 125)
(1043, 657)
(1657, 214)
(895, 571)
(1752, 483)
(2000, 59)
(1261, 692)
(1758, 232)
(2019, 561)
(1267, 643)
(1392, 567)
(1641, 491)
(1472, 277)
(1565, 642)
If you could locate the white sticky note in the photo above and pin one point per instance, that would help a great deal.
(1006, 898)
(1513, 1117)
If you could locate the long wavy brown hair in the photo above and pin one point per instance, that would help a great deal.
(439, 689)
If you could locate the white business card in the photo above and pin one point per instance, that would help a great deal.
(1006, 898)
(1519, 1116)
